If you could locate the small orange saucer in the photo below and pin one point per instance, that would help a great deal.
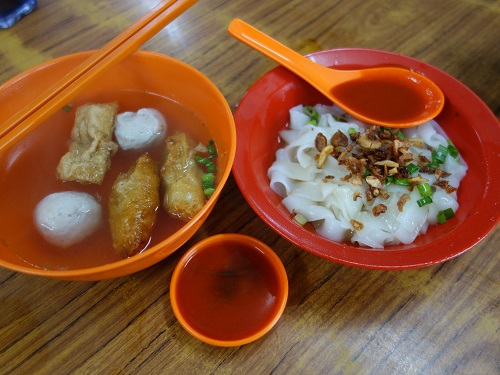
(229, 290)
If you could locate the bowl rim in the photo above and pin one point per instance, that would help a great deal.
(344, 252)
(112, 270)
(260, 247)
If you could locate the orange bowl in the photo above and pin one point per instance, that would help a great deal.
(229, 290)
(469, 123)
(144, 79)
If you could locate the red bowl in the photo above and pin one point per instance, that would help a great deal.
(470, 124)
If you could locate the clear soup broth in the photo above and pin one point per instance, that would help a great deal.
(29, 174)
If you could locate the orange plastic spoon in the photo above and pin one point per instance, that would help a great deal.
(386, 96)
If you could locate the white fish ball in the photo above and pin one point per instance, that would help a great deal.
(137, 130)
(65, 218)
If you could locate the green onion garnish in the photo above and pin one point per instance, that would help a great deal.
(402, 182)
(400, 134)
(424, 189)
(441, 218)
(211, 167)
(66, 108)
(351, 131)
(211, 149)
(202, 160)
(313, 115)
(208, 178)
(207, 184)
(423, 201)
(449, 213)
(452, 150)
(208, 191)
(412, 168)
(445, 215)
(439, 155)
(397, 181)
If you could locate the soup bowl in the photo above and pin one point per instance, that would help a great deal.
(468, 122)
(189, 101)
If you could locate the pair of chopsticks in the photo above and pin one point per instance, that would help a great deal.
(115, 51)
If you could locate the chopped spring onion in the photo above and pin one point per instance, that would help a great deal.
(351, 131)
(211, 167)
(397, 181)
(423, 201)
(424, 189)
(208, 191)
(449, 213)
(207, 162)
(452, 150)
(208, 178)
(402, 182)
(202, 160)
(445, 215)
(400, 134)
(66, 108)
(441, 218)
(439, 155)
(412, 168)
(211, 149)
(313, 115)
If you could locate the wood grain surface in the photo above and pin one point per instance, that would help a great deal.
(442, 319)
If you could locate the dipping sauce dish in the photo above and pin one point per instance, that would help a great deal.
(229, 290)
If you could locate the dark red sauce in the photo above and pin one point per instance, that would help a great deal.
(385, 99)
(228, 292)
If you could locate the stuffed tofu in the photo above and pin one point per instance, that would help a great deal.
(181, 177)
(92, 145)
(133, 205)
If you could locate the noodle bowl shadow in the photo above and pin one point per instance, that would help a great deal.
(161, 78)
(467, 121)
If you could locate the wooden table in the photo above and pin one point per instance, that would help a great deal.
(442, 319)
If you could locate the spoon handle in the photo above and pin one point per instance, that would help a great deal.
(313, 73)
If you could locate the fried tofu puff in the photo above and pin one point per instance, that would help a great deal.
(92, 145)
(181, 177)
(133, 205)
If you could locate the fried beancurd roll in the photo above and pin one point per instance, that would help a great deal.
(92, 145)
(181, 178)
(133, 205)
